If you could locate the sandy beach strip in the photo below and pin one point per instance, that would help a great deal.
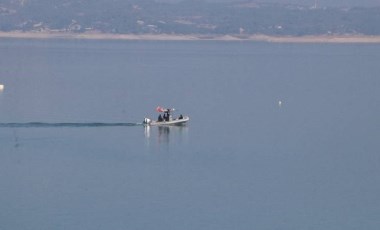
(194, 37)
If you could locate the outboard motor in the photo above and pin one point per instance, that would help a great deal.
(147, 121)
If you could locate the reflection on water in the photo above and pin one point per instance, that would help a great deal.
(165, 134)
(147, 131)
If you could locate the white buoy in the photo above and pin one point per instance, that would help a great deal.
(279, 103)
(1, 87)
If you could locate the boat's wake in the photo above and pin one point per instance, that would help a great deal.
(69, 125)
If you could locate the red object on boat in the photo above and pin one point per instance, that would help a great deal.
(160, 110)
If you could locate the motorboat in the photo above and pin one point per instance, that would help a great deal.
(165, 118)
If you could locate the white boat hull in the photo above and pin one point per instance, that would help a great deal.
(177, 122)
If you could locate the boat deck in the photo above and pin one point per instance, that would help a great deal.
(171, 122)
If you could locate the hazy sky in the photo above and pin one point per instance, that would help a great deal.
(321, 3)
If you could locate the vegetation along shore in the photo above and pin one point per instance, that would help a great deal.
(245, 20)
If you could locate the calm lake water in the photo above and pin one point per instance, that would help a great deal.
(244, 161)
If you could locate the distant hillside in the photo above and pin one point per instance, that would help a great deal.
(186, 17)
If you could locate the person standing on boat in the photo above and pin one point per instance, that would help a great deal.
(167, 115)
(160, 118)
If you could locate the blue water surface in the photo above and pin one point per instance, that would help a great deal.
(281, 136)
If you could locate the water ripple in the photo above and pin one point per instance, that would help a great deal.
(66, 124)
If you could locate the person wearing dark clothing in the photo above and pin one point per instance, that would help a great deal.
(160, 118)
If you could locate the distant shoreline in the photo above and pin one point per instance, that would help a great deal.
(194, 37)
